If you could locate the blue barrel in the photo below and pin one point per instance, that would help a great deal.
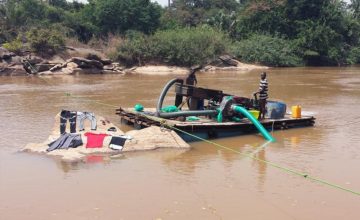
(275, 110)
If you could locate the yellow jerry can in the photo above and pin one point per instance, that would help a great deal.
(296, 111)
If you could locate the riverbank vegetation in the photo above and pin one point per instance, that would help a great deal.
(269, 32)
(181, 46)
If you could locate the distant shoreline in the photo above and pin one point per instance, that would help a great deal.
(90, 61)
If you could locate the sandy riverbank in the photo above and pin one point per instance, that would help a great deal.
(87, 61)
(168, 70)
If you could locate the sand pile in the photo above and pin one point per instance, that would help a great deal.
(158, 70)
(146, 139)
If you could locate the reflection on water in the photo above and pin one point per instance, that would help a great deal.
(88, 160)
(205, 182)
(105, 159)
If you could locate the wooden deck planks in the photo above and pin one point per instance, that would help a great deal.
(133, 117)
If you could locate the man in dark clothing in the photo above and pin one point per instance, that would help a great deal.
(263, 95)
(191, 77)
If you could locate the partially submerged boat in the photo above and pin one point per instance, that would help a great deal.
(212, 114)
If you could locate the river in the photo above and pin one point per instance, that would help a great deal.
(202, 183)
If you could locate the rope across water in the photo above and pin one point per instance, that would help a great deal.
(289, 170)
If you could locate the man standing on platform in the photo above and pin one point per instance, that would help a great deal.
(263, 95)
(191, 77)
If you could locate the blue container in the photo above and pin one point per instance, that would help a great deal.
(275, 110)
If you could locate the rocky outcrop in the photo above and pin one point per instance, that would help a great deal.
(12, 70)
(85, 63)
(90, 65)
(13, 65)
(114, 67)
(5, 54)
(90, 61)
(10, 64)
(35, 60)
(104, 61)
(222, 63)
(228, 60)
(229, 63)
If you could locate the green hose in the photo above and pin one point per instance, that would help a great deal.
(258, 125)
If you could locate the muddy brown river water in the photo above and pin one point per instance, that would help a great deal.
(202, 183)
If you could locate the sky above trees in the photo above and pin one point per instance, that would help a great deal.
(161, 2)
(165, 2)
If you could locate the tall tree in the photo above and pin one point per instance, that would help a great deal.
(194, 12)
(117, 16)
(58, 3)
(355, 8)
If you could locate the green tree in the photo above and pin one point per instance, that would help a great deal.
(224, 21)
(80, 25)
(188, 46)
(28, 12)
(267, 50)
(355, 8)
(263, 17)
(135, 49)
(183, 46)
(195, 12)
(54, 14)
(118, 16)
(322, 29)
(59, 3)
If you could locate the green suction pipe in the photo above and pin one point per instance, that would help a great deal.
(257, 124)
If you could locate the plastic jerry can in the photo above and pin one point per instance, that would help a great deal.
(296, 111)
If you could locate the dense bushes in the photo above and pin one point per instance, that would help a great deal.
(45, 41)
(42, 41)
(134, 50)
(183, 46)
(272, 51)
(354, 56)
(188, 46)
(322, 30)
(118, 16)
(97, 18)
(192, 13)
(14, 46)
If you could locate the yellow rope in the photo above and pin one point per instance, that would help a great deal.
(289, 170)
